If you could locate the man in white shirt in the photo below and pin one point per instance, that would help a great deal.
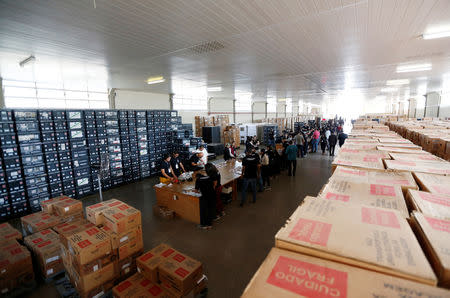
(204, 159)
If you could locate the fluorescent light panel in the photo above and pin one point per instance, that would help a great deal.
(397, 82)
(214, 89)
(436, 35)
(413, 67)
(155, 80)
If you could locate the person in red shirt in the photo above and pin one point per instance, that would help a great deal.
(316, 137)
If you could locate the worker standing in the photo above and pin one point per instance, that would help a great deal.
(291, 155)
(332, 141)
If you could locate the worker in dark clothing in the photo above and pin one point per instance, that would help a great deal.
(177, 165)
(217, 207)
(323, 143)
(332, 140)
(166, 175)
(342, 137)
(195, 162)
(250, 173)
(228, 153)
(291, 156)
(205, 185)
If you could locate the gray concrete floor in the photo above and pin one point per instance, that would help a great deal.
(236, 246)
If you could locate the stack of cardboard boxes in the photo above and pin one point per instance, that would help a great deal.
(16, 267)
(399, 219)
(231, 134)
(220, 120)
(164, 272)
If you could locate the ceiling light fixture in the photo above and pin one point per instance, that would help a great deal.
(27, 60)
(397, 82)
(214, 89)
(155, 80)
(436, 35)
(281, 99)
(389, 89)
(413, 67)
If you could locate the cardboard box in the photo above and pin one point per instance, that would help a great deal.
(414, 157)
(287, 274)
(358, 162)
(67, 207)
(39, 221)
(401, 150)
(127, 243)
(65, 230)
(371, 194)
(431, 204)
(99, 291)
(403, 179)
(430, 167)
(127, 266)
(434, 234)
(47, 205)
(48, 256)
(180, 272)
(40, 237)
(368, 237)
(7, 233)
(369, 155)
(148, 263)
(94, 213)
(121, 218)
(433, 183)
(89, 245)
(88, 282)
(16, 267)
(138, 286)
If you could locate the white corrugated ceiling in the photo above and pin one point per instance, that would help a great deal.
(302, 49)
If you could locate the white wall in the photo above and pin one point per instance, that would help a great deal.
(126, 99)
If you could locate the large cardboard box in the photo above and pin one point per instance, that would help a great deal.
(139, 286)
(358, 162)
(127, 243)
(148, 263)
(402, 150)
(431, 204)
(16, 267)
(435, 234)
(180, 272)
(39, 237)
(403, 179)
(47, 205)
(365, 155)
(65, 230)
(87, 282)
(372, 238)
(122, 218)
(287, 274)
(401, 145)
(430, 167)
(371, 194)
(7, 233)
(414, 157)
(89, 245)
(94, 213)
(433, 183)
(39, 221)
(67, 207)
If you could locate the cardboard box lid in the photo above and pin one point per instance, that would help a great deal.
(7, 232)
(399, 145)
(67, 206)
(437, 232)
(372, 194)
(402, 150)
(431, 167)
(431, 204)
(402, 179)
(152, 258)
(287, 274)
(369, 237)
(414, 157)
(122, 217)
(47, 205)
(433, 183)
(89, 245)
(108, 203)
(357, 175)
(40, 237)
(365, 155)
(346, 160)
(180, 267)
(138, 286)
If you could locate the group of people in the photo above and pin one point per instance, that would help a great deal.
(258, 165)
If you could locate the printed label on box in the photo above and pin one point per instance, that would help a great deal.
(179, 258)
(337, 197)
(308, 280)
(441, 189)
(123, 286)
(311, 231)
(182, 272)
(118, 215)
(167, 253)
(92, 231)
(439, 224)
(404, 163)
(123, 207)
(393, 181)
(155, 290)
(435, 199)
(379, 217)
(382, 190)
(84, 243)
(358, 173)
(146, 257)
(371, 158)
